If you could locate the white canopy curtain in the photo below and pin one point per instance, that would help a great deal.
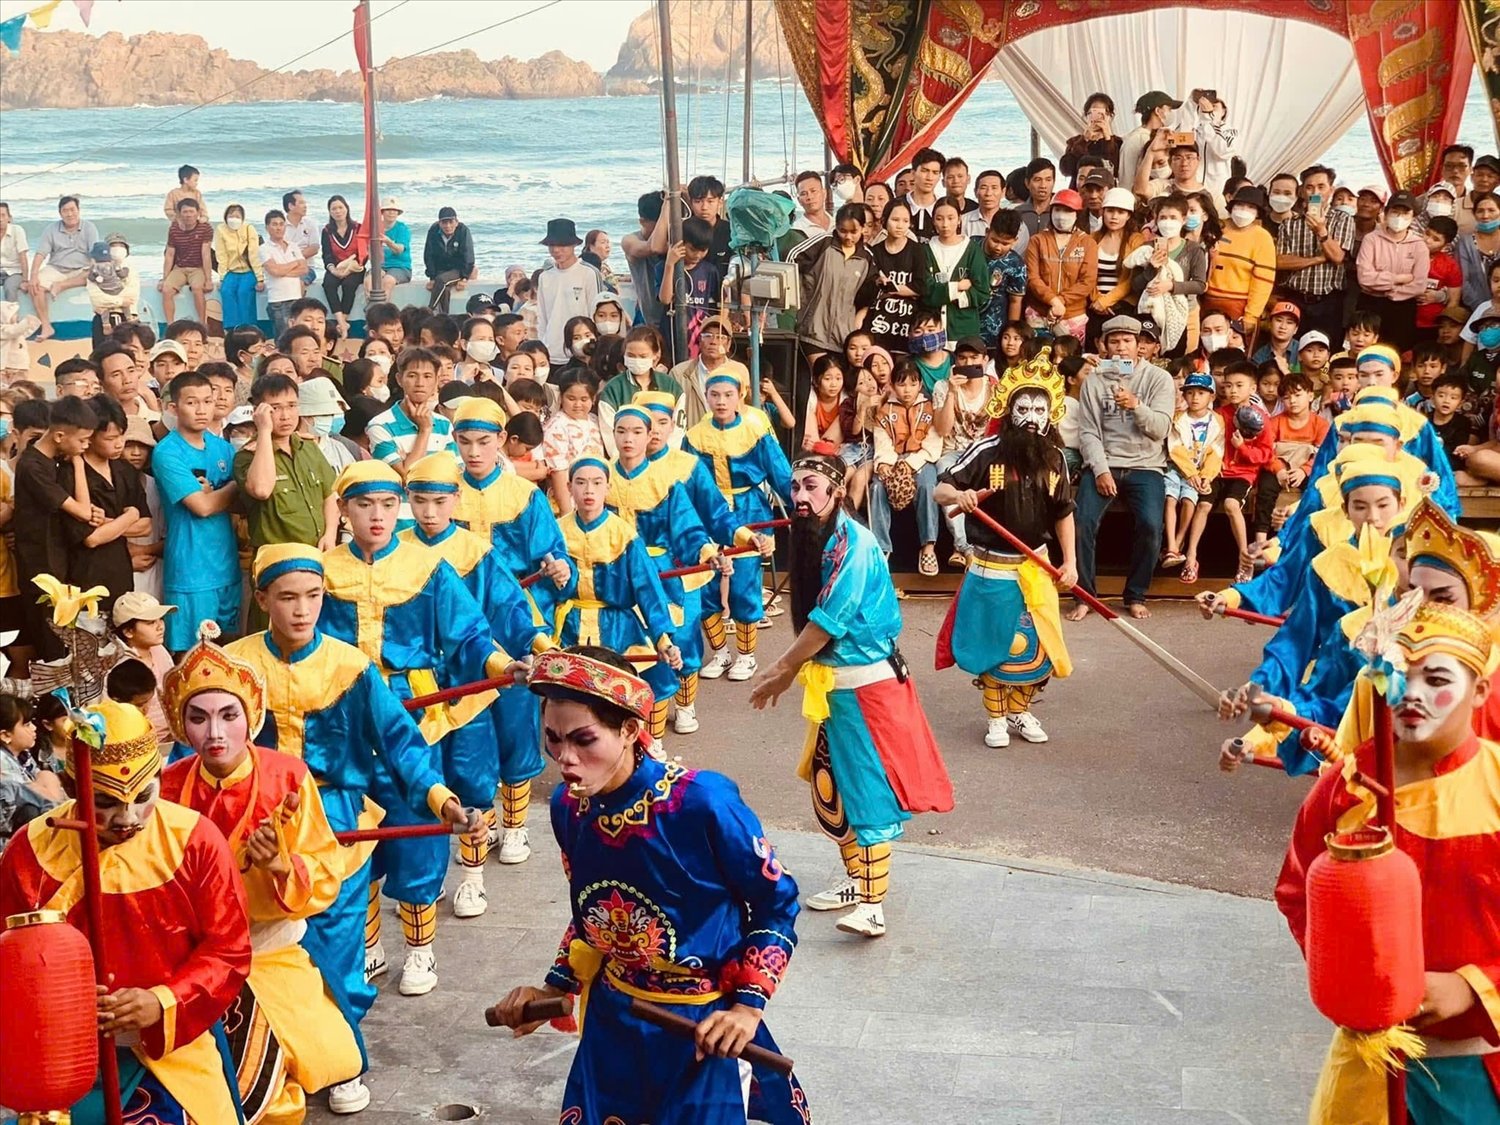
(1292, 88)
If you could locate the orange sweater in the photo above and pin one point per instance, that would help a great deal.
(1242, 268)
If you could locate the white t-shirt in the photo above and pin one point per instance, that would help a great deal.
(304, 234)
(12, 246)
(560, 296)
(281, 288)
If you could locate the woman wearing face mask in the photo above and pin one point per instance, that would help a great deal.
(1242, 265)
(956, 277)
(609, 315)
(1479, 250)
(643, 371)
(320, 419)
(1200, 223)
(1168, 275)
(580, 337)
(1392, 271)
(380, 356)
(1062, 270)
(477, 338)
(237, 249)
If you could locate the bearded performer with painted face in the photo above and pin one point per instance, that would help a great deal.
(870, 755)
(1004, 627)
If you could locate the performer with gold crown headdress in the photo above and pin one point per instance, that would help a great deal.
(1004, 626)
(677, 898)
(1308, 668)
(1447, 803)
(177, 934)
(287, 1034)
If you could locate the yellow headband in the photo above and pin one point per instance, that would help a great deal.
(1446, 629)
(129, 759)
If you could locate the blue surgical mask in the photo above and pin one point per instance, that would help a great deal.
(929, 342)
(1192, 222)
(1489, 340)
(4, 426)
(1487, 226)
(322, 424)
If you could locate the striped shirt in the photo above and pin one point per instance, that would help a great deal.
(392, 436)
(1296, 237)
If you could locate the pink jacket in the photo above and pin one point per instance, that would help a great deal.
(1382, 259)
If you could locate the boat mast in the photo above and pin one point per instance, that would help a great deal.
(749, 76)
(372, 176)
(674, 177)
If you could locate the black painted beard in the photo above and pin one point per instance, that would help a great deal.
(1024, 450)
(805, 560)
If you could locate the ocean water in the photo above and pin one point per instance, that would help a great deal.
(506, 166)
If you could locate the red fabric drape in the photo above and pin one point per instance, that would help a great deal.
(361, 55)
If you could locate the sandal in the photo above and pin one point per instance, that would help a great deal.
(958, 559)
(1244, 574)
(1190, 572)
(1172, 559)
(927, 563)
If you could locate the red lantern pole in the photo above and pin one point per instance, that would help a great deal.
(93, 902)
(1385, 810)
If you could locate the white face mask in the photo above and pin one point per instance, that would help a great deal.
(541, 373)
(608, 327)
(1242, 216)
(383, 362)
(844, 190)
(1281, 204)
(638, 364)
(1162, 173)
(119, 253)
(1440, 208)
(380, 393)
(1169, 228)
(1213, 341)
(1063, 221)
(1397, 224)
(482, 351)
(1346, 209)
(239, 441)
(234, 223)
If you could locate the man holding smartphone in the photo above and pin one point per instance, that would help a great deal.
(1313, 246)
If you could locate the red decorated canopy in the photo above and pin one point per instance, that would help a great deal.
(884, 79)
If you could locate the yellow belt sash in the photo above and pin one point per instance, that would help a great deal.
(588, 619)
(589, 965)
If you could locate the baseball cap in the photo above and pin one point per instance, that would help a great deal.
(1442, 187)
(242, 415)
(1402, 199)
(1314, 337)
(1373, 189)
(1456, 313)
(1098, 177)
(1490, 162)
(317, 397)
(117, 239)
(609, 299)
(137, 429)
(479, 303)
(971, 344)
(1152, 99)
(446, 213)
(134, 605)
(1122, 199)
(1286, 308)
(1487, 311)
(167, 347)
(99, 252)
(1149, 328)
(389, 204)
(1068, 198)
(1199, 381)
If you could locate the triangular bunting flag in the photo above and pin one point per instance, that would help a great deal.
(41, 17)
(85, 9)
(10, 34)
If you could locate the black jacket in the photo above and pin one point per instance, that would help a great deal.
(443, 254)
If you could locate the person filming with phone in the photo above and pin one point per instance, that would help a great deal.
(1313, 247)
(1097, 139)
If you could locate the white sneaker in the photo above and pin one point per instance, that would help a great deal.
(837, 897)
(494, 834)
(742, 668)
(656, 749)
(419, 974)
(375, 962)
(469, 900)
(348, 1097)
(717, 665)
(515, 845)
(1027, 727)
(867, 919)
(686, 720)
(997, 734)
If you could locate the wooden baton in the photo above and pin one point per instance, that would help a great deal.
(681, 1025)
(552, 1008)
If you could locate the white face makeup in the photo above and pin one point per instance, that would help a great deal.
(1440, 586)
(117, 821)
(1436, 687)
(813, 494)
(1031, 410)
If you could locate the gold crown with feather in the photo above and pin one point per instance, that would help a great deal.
(1434, 539)
(207, 667)
(1038, 374)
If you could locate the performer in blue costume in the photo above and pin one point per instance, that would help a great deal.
(618, 601)
(470, 763)
(677, 897)
(741, 450)
(1309, 666)
(1004, 627)
(407, 610)
(645, 496)
(327, 704)
(869, 756)
(695, 477)
(511, 513)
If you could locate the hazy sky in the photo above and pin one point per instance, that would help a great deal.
(271, 32)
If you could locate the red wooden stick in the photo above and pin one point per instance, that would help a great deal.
(683, 571)
(531, 580)
(1246, 615)
(768, 525)
(681, 1025)
(396, 832)
(552, 1008)
(448, 695)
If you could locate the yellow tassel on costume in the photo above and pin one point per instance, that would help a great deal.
(1383, 1050)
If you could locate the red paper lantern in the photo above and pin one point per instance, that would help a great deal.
(1365, 969)
(49, 1038)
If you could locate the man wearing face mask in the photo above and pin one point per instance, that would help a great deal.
(175, 904)
(1392, 271)
(1312, 247)
(1005, 627)
(1281, 198)
(1243, 266)
(320, 411)
(870, 755)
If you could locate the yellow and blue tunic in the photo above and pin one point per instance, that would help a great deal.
(748, 466)
(514, 516)
(327, 704)
(618, 601)
(410, 613)
(677, 897)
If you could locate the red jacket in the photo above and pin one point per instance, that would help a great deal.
(1444, 273)
(1245, 461)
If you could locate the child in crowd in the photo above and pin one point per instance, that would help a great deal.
(907, 447)
(1362, 331)
(1247, 450)
(862, 399)
(132, 682)
(1338, 393)
(1426, 369)
(146, 548)
(773, 399)
(824, 403)
(15, 329)
(1445, 277)
(1281, 343)
(27, 788)
(1455, 429)
(1007, 277)
(1295, 434)
(523, 434)
(704, 279)
(929, 349)
(961, 417)
(1195, 445)
(572, 432)
(1450, 328)
(447, 357)
(1016, 344)
(1073, 369)
(527, 396)
(1268, 386)
(139, 621)
(857, 345)
(1312, 359)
